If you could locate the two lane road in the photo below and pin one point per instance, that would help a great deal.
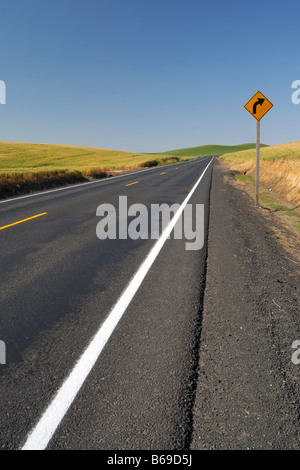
(59, 283)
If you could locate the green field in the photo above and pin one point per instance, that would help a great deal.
(210, 150)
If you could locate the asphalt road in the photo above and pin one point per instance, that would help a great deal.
(59, 283)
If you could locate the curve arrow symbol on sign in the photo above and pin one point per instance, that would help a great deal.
(259, 101)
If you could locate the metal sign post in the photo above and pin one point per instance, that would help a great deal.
(258, 106)
(257, 163)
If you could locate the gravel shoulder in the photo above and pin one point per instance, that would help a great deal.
(248, 390)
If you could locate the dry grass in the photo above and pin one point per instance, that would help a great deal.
(279, 168)
(26, 167)
(290, 151)
(31, 158)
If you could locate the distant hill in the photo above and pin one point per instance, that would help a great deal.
(210, 150)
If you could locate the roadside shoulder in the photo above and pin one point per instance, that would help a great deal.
(248, 387)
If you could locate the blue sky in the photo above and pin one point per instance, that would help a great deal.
(148, 75)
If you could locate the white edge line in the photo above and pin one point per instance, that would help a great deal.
(42, 433)
(79, 185)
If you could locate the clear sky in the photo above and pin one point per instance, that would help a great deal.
(148, 75)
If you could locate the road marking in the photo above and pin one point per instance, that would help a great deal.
(163, 173)
(130, 184)
(80, 185)
(42, 433)
(24, 220)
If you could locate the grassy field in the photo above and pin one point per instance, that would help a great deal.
(25, 167)
(279, 168)
(30, 162)
(26, 158)
(281, 152)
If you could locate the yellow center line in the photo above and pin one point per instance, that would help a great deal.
(163, 173)
(24, 220)
(136, 182)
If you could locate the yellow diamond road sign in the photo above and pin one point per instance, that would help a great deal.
(258, 106)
